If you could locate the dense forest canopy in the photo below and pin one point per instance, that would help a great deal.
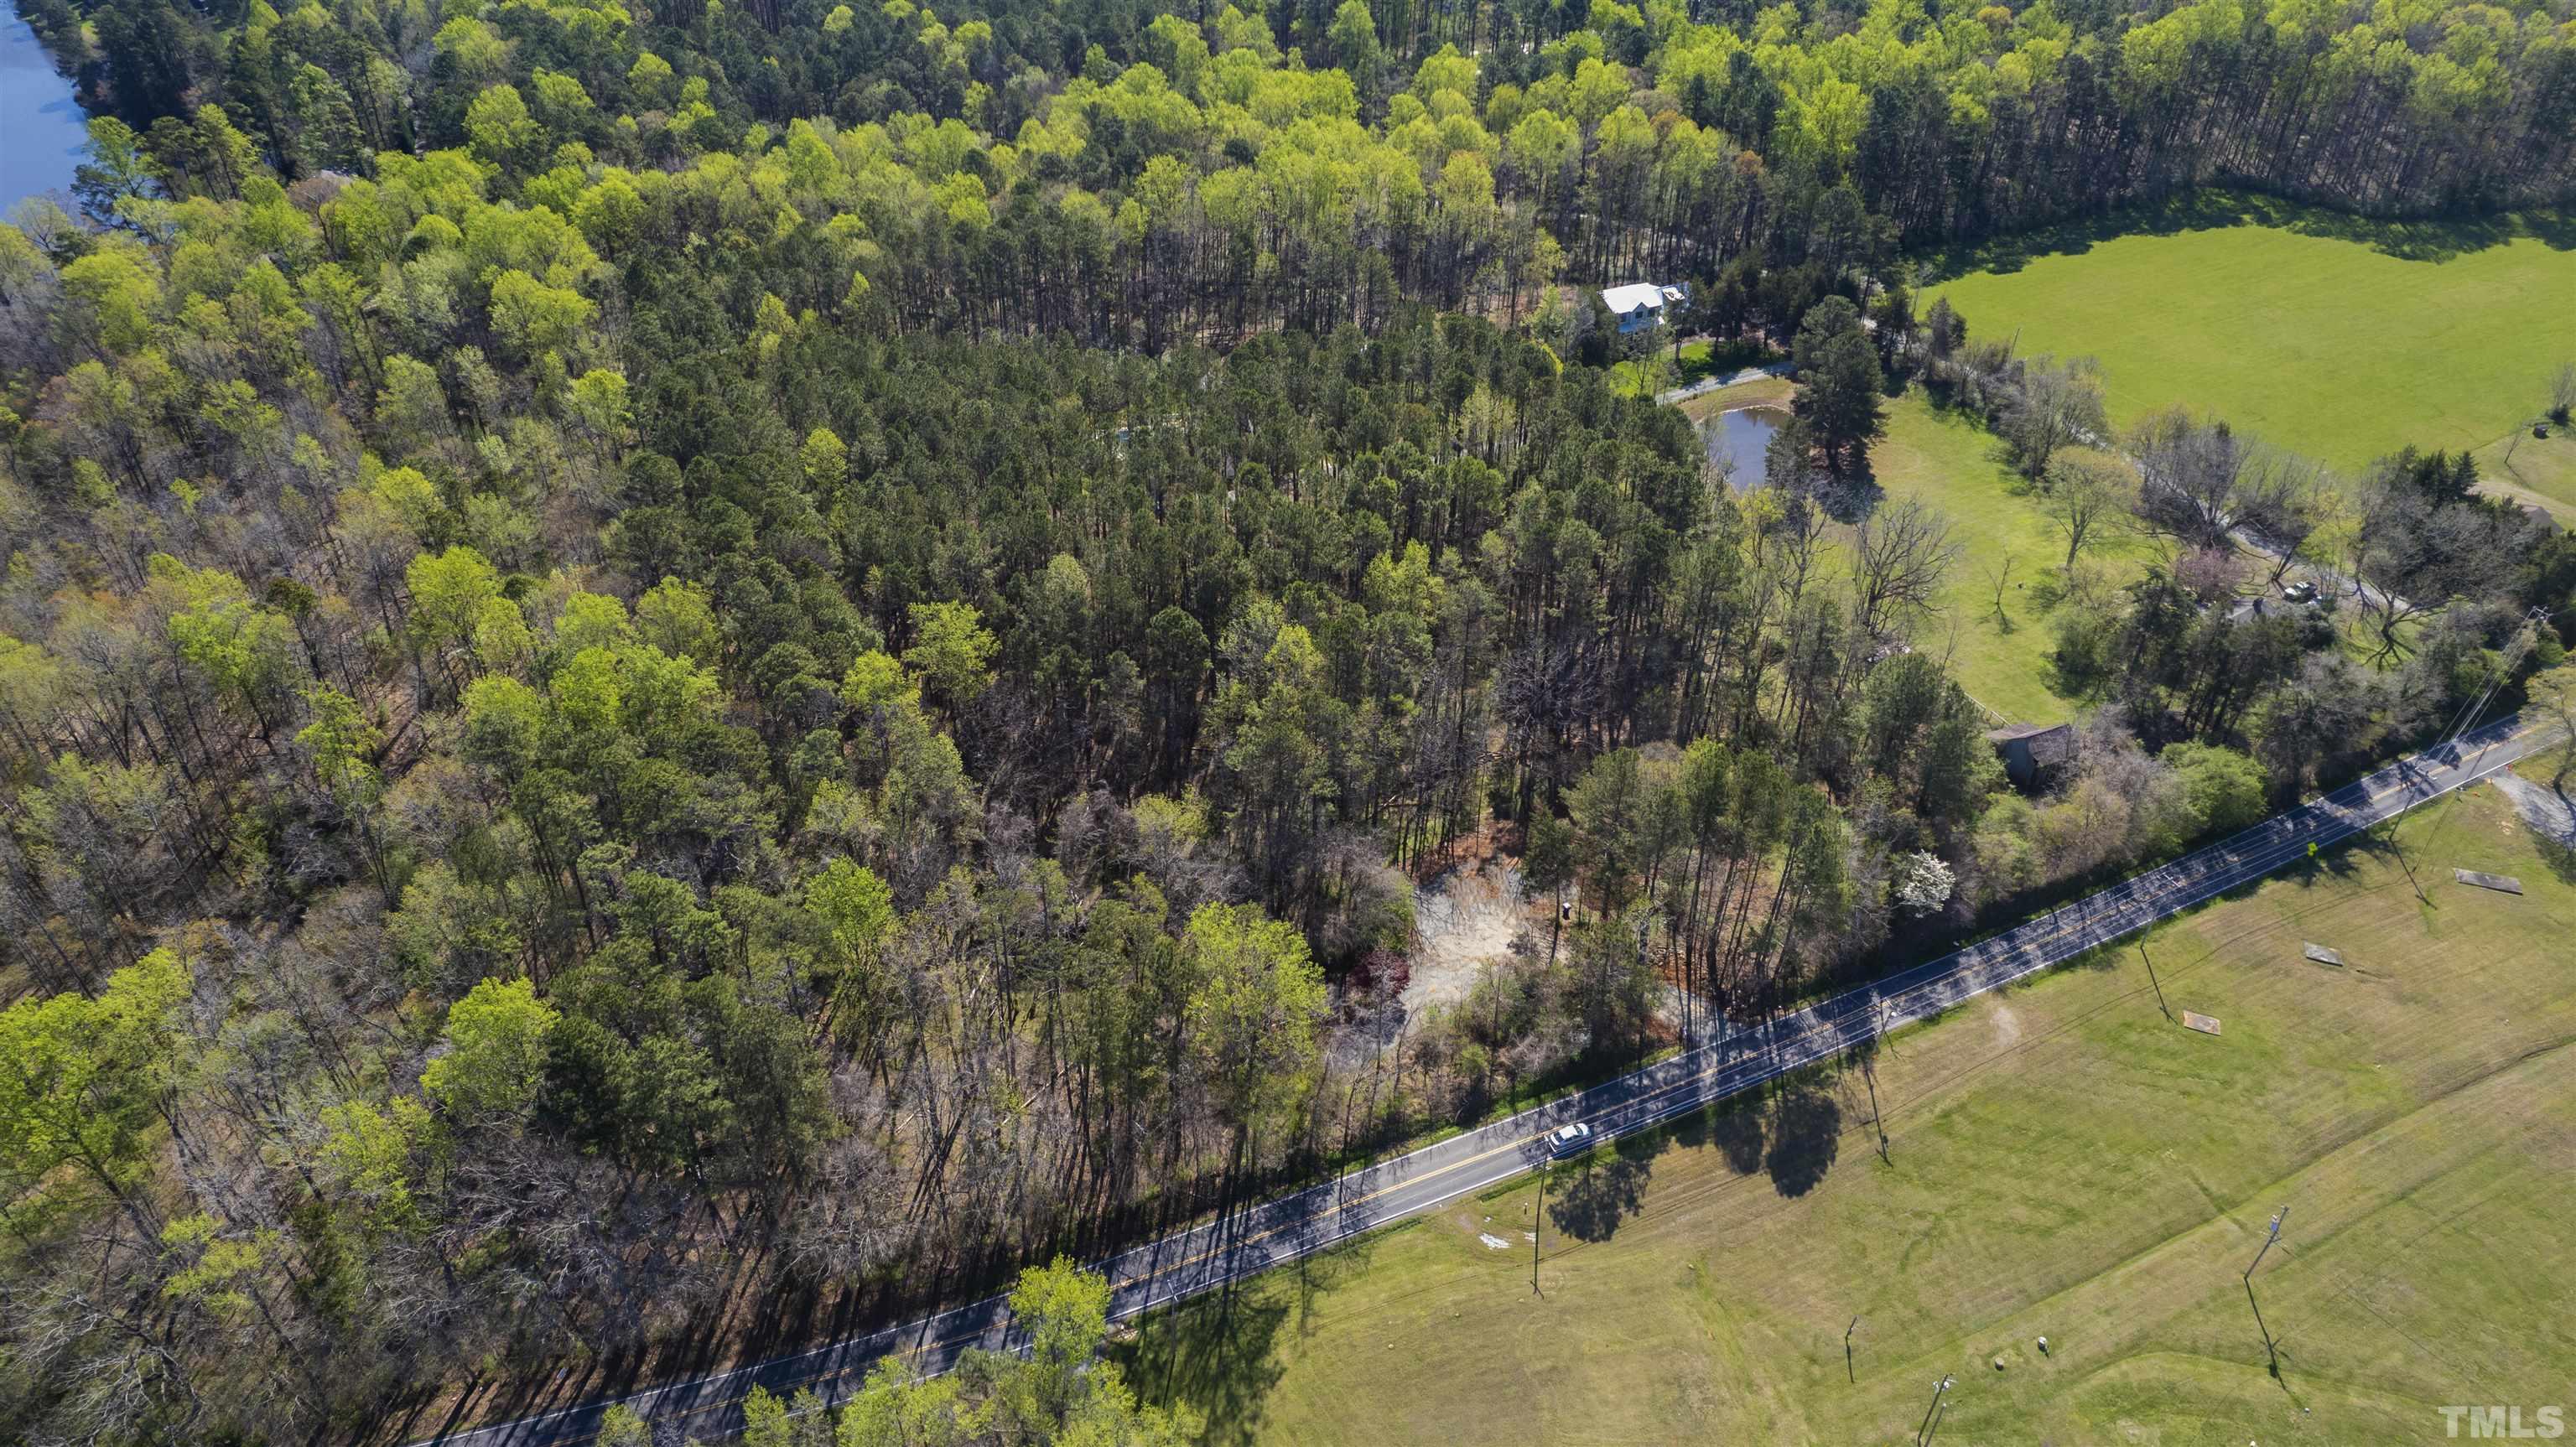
(1121, 174)
(647, 650)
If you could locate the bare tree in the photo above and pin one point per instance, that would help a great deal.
(2278, 495)
(2086, 498)
(2412, 557)
(1999, 574)
(2188, 472)
(2057, 403)
(2562, 393)
(1901, 553)
(1547, 696)
(850, 1221)
(2389, 548)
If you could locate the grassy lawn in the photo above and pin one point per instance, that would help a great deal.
(2534, 470)
(1951, 463)
(1636, 378)
(2061, 1161)
(1703, 357)
(1760, 392)
(2343, 347)
(1696, 361)
(1999, 656)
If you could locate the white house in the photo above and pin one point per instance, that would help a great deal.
(1643, 304)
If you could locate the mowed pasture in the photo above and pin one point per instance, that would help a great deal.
(2061, 1160)
(2540, 471)
(1997, 640)
(2330, 347)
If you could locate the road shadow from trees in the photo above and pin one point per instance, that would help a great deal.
(2420, 239)
(2341, 861)
(1219, 1354)
(1790, 1132)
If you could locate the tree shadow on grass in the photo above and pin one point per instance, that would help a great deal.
(1793, 1132)
(1851, 498)
(2554, 229)
(2192, 211)
(2433, 238)
(2560, 859)
(1219, 1355)
(2380, 842)
(2436, 238)
(1734, 1127)
(1598, 1199)
(1806, 1136)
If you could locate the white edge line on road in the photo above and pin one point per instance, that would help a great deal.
(2333, 826)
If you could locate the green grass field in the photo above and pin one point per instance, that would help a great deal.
(1999, 656)
(1951, 463)
(2337, 348)
(2061, 1161)
(1760, 392)
(2535, 470)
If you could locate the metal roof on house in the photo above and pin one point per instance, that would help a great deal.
(1625, 299)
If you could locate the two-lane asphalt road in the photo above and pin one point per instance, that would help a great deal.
(1253, 1239)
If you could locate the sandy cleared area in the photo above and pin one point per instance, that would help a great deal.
(1463, 923)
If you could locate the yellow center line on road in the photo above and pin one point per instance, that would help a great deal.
(2370, 795)
(1512, 1146)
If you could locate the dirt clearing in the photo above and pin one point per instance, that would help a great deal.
(2549, 813)
(1463, 923)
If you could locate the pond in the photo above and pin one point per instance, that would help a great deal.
(42, 130)
(1737, 439)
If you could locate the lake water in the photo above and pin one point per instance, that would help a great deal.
(42, 130)
(1738, 438)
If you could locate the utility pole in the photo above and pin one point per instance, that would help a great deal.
(1847, 1352)
(1538, 1225)
(1939, 1387)
(2527, 635)
(2151, 977)
(1878, 1123)
(2278, 1217)
(2270, 1349)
